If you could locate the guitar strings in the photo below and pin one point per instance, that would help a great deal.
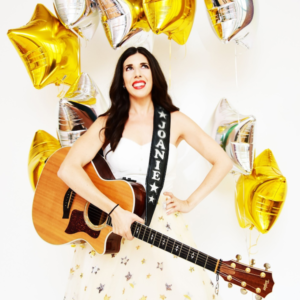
(240, 270)
(185, 249)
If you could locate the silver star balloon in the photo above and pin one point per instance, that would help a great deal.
(235, 134)
(85, 91)
(81, 16)
(124, 21)
(73, 121)
(230, 19)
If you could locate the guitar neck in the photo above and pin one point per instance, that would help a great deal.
(166, 243)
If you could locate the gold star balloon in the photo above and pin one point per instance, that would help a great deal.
(175, 18)
(49, 51)
(42, 147)
(261, 195)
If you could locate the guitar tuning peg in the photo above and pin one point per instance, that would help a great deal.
(244, 291)
(238, 257)
(257, 297)
(230, 285)
(252, 263)
(267, 266)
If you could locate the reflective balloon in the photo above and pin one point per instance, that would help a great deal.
(261, 195)
(175, 18)
(85, 91)
(49, 51)
(73, 121)
(124, 21)
(83, 16)
(42, 147)
(234, 133)
(230, 18)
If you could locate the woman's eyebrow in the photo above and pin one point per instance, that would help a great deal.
(142, 63)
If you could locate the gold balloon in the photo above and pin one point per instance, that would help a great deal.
(261, 195)
(175, 18)
(49, 51)
(43, 146)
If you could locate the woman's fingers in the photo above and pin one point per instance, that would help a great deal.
(168, 194)
(138, 219)
(171, 211)
(172, 205)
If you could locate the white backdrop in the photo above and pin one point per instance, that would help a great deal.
(268, 87)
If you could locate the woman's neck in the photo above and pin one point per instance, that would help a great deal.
(141, 106)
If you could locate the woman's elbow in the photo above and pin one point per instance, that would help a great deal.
(62, 172)
(229, 164)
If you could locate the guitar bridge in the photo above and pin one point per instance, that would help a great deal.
(68, 200)
(128, 179)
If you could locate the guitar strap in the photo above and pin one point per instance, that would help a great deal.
(158, 159)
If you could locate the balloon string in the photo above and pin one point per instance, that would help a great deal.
(236, 69)
(255, 244)
(62, 92)
(170, 62)
(236, 76)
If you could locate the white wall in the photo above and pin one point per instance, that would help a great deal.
(268, 76)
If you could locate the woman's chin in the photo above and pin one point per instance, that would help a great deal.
(139, 93)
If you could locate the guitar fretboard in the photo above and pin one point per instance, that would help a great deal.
(172, 246)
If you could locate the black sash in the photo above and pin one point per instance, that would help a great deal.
(158, 160)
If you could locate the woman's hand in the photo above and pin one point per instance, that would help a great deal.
(122, 220)
(174, 204)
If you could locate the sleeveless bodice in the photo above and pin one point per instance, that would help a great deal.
(131, 160)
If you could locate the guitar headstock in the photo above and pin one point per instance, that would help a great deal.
(258, 281)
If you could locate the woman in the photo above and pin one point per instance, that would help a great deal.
(139, 271)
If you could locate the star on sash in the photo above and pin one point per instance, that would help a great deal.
(151, 199)
(162, 114)
(154, 187)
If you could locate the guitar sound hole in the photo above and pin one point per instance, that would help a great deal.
(96, 215)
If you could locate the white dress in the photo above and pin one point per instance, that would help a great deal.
(139, 271)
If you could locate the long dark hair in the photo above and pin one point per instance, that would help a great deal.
(119, 110)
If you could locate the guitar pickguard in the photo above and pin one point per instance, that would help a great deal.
(77, 224)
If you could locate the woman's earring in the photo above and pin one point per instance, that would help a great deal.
(123, 86)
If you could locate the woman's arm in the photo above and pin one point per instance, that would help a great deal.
(72, 173)
(211, 151)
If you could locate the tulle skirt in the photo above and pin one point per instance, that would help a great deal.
(140, 271)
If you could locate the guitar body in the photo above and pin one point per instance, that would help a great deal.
(60, 216)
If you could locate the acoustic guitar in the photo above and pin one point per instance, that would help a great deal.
(61, 216)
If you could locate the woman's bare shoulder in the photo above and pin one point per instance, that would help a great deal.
(179, 118)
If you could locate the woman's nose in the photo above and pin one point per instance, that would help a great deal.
(137, 74)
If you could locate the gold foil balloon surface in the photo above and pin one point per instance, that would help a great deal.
(42, 147)
(234, 132)
(230, 18)
(175, 18)
(261, 195)
(49, 51)
(73, 121)
(82, 16)
(123, 20)
(85, 91)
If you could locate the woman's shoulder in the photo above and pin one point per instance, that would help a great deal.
(179, 117)
(101, 121)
